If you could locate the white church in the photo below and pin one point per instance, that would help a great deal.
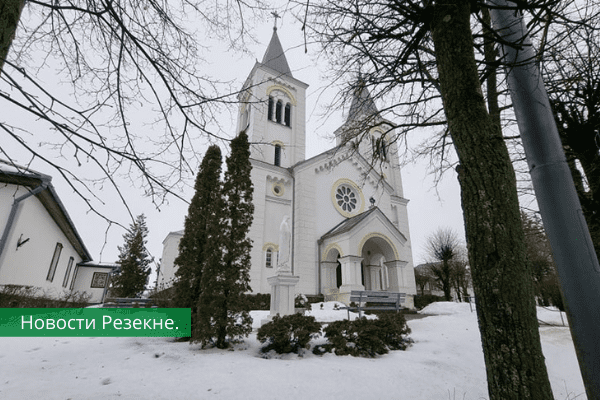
(349, 221)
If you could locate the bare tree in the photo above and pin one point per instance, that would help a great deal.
(442, 249)
(539, 256)
(461, 275)
(117, 85)
(572, 69)
(421, 55)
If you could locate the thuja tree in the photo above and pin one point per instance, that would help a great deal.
(200, 218)
(134, 261)
(223, 313)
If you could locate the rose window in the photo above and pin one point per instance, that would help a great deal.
(346, 198)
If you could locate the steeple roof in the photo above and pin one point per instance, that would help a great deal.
(274, 57)
(362, 103)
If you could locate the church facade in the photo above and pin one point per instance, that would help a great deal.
(348, 215)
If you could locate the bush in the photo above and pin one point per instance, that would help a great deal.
(550, 294)
(20, 296)
(366, 337)
(288, 334)
(318, 298)
(423, 300)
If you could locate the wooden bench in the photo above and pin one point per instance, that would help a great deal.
(127, 303)
(369, 300)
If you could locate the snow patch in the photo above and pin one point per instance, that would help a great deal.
(447, 308)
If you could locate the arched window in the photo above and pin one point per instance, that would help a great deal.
(288, 114)
(278, 110)
(278, 155)
(379, 147)
(269, 258)
(382, 149)
(270, 109)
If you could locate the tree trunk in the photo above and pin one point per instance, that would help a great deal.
(446, 280)
(10, 13)
(501, 277)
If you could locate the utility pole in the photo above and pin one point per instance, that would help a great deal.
(567, 230)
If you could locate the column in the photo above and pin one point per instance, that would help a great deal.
(351, 274)
(328, 278)
(396, 272)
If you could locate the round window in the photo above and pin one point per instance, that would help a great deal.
(277, 189)
(346, 198)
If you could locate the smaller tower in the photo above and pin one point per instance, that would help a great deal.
(372, 135)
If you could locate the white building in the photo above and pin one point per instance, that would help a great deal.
(348, 214)
(40, 246)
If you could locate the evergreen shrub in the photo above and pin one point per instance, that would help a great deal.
(366, 337)
(164, 298)
(423, 300)
(317, 298)
(288, 334)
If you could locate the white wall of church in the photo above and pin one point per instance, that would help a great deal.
(306, 215)
(316, 213)
(167, 261)
(272, 198)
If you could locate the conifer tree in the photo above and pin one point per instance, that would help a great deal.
(192, 247)
(134, 261)
(222, 311)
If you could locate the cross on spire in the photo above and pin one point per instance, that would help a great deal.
(275, 16)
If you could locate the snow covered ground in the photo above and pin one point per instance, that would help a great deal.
(445, 362)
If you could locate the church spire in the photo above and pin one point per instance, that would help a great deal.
(274, 57)
(362, 103)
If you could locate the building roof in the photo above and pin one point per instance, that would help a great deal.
(93, 264)
(274, 57)
(11, 173)
(349, 223)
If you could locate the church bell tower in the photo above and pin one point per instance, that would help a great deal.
(273, 109)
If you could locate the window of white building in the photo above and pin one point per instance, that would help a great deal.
(54, 262)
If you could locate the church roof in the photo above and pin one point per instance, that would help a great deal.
(274, 57)
(349, 223)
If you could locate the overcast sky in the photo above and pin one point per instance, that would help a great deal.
(430, 207)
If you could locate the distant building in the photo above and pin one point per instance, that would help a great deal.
(349, 222)
(40, 246)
